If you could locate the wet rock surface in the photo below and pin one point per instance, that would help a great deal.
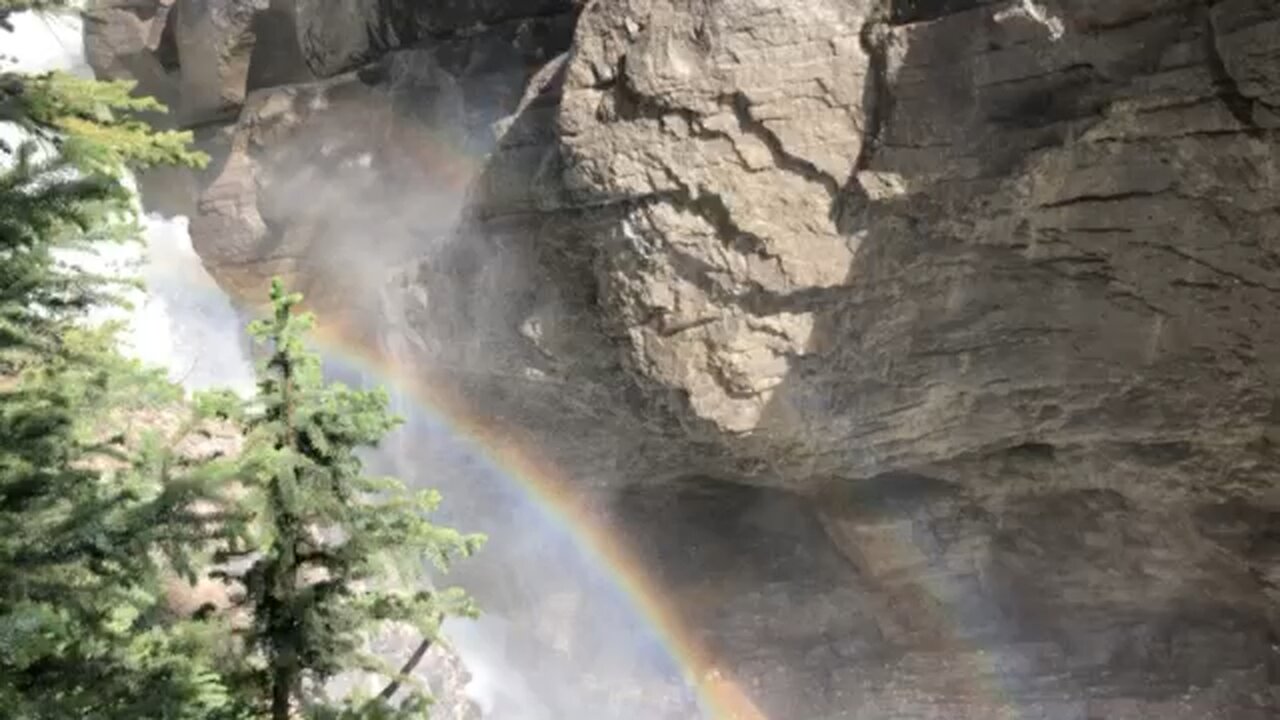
(927, 349)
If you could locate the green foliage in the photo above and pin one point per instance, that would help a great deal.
(91, 525)
(321, 582)
(99, 512)
(46, 209)
(95, 123)
(65, 189)
(94, 520)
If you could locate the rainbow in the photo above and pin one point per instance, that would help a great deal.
(931, 598)
(542, 484)
(549, 490)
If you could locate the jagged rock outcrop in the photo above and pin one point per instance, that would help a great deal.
(987, 158)
(966, 306)
(367, 155)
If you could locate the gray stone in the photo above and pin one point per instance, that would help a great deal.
(134, 42)
(226, 48)
(338, 35)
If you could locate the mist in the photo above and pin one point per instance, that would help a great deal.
(559, 639)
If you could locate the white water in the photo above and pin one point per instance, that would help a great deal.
(182, 322)
(40, 43)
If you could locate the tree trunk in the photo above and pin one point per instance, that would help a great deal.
(285, 670)
(390, 690)
(282, 682)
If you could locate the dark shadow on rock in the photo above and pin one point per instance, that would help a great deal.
(277, 57)
(751, 573)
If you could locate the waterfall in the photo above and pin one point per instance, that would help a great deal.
(588, 648)
(181, 322)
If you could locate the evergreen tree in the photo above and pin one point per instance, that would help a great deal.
(92, 520)
(92, 123)
(64, 189)
(96, 516)
(92, 524)
(47, 209)
(323, 578)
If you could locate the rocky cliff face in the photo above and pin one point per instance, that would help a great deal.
(930, 345)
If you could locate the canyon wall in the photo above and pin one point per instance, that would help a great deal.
(927, 348)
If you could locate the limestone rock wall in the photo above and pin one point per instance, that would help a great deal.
(930, 345)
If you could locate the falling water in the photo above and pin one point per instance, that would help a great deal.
(182, 322)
